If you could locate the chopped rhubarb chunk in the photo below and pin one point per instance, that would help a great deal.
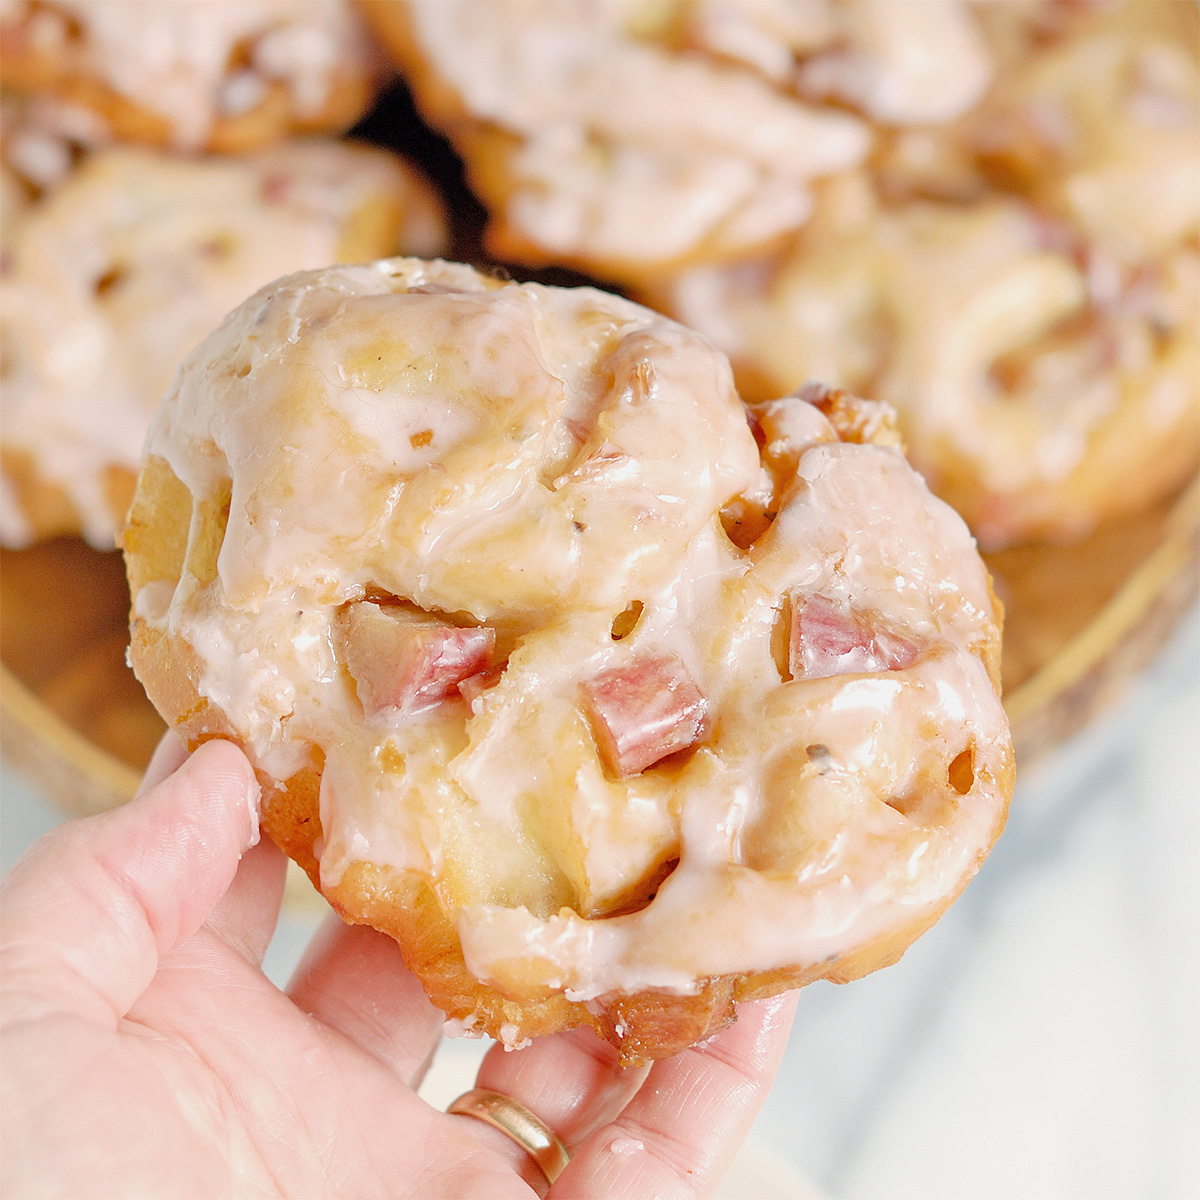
(828, 640)
(644, 710)
(474, 686)
(408, 660)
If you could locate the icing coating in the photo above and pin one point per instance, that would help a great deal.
(177, 59)
(628, 151)
(558, 466)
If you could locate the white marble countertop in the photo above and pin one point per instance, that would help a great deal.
(1042, 1042)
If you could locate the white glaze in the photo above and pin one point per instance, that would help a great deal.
(182, 242)
(175, 58)
(638, 135)
(630, 152)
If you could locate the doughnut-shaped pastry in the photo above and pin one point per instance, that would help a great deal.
(630, 138)
(114, 275)
(1023, 287)
(222, 75)
(608, 715)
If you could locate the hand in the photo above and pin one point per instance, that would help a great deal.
(145, 1053)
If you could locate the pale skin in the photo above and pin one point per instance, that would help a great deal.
(145, 1053)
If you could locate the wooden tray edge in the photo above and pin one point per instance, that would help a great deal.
(1092, 670)
(82, 779)
(69, 769)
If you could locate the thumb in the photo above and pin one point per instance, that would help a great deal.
(86, 914)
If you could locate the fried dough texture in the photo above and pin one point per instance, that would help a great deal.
(613, 701)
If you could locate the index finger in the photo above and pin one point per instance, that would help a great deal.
(679, 1133)
(90, 909)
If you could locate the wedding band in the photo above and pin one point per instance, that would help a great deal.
(533, 1135)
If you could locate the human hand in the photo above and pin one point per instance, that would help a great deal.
(146, 1053)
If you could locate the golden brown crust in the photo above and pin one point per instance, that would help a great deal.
(642, 1027)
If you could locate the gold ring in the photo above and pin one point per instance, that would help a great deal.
(533, 1135)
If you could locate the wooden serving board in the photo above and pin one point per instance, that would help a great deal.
(1082, 620)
